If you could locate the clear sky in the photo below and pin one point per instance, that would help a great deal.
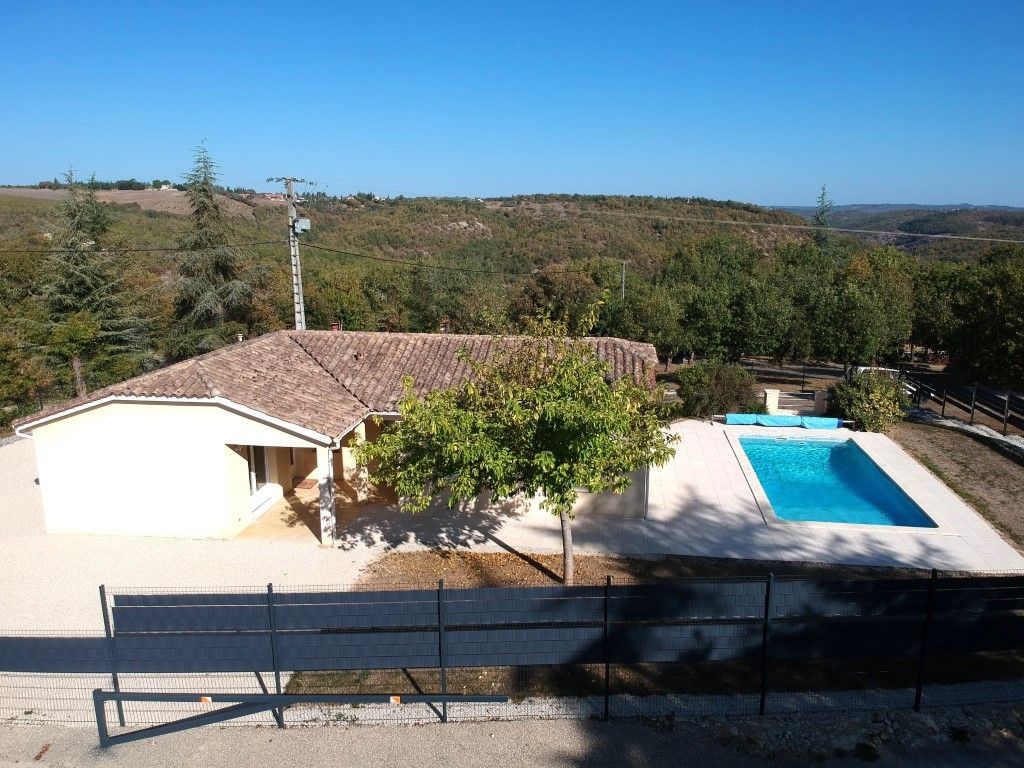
(885, 100)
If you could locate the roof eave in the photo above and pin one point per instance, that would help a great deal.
(24, 429)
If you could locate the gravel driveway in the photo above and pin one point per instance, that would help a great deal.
(49, 583)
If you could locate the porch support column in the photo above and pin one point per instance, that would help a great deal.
(325, 477)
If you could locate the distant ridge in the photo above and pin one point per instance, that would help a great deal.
(807, 211)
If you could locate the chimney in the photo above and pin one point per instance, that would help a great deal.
(335, 326)
(239, 337)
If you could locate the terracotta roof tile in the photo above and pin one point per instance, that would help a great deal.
(326, 381)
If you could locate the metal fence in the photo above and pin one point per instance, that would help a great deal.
(1002, 409)
(696, 647)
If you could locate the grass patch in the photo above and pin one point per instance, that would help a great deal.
(696, 679)
(980, 505)
(986, 479)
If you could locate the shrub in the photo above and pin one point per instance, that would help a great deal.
(872, 401)
(713, 387)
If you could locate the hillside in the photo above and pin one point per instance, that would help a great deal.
(1001, 222)
(516, 235)
(702, 277)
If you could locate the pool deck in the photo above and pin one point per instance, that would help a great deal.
(707, 502)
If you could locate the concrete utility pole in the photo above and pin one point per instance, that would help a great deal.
(296, 224)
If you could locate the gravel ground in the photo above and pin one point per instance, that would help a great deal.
(49, 583)
(556, 743)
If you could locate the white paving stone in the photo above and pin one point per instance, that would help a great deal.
(707, 501)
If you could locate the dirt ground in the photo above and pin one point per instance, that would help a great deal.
(987, 480)
(165, 200)
(486, 569)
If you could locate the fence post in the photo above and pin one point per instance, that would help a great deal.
(111, 652)
(924, 640)
(974, 399)
(440, 649)
(1006, 412)
(272, 623)
(943, 402)
(607, 646)
(765, 627)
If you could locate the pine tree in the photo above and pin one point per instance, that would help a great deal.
(822, 220)
(92, 327)
(214, 300)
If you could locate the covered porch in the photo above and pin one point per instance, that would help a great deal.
(311, 486)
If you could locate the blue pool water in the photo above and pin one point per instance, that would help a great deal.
(831, 481)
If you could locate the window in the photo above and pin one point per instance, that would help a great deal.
(257, 468)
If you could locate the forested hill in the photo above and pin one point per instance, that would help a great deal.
(702, 277)
(543, 234)
(996, 221)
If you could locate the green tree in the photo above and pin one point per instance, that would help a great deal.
(760, 315)
(809, 274)
(649, 313)
(874, 307)
(214, 300)
(872, 401)
(823, 220)
(988, 343)
(936, 290)
(91, 324)
(538, 418)
(712, 387)
(22, 374)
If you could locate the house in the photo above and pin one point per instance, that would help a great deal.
(202, 447)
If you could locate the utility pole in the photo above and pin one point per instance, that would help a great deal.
(296, 224)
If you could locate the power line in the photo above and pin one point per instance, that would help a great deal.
(807, 227)
(171, 249)
(448, 268)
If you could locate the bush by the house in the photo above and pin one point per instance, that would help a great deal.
(713, 387)
(872, 401)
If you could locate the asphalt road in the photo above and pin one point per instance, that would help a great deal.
(558, 743)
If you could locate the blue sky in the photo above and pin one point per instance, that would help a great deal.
(757, 101)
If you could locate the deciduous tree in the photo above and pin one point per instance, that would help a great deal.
(539, 417)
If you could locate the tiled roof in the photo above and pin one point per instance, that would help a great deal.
(326, 381)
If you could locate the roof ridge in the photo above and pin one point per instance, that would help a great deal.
(326, 370)
(201, 375)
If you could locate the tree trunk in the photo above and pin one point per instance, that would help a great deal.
(568, 562)
(76, 368)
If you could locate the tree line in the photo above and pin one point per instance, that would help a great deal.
(91, 313)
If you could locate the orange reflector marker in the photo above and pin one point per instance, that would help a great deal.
(205, 700)
(396, 699)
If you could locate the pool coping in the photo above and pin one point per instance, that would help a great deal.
(772, 520)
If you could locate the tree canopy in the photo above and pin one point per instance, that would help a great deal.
(214, 300)
(539, 418)
(92, 329)
(469, 266)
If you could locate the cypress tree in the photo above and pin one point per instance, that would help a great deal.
(214, 300)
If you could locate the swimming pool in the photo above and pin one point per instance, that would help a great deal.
(829, 481)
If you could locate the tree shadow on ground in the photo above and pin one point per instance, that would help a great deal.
(438, 527)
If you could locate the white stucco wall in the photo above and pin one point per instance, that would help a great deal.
(154, 468)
